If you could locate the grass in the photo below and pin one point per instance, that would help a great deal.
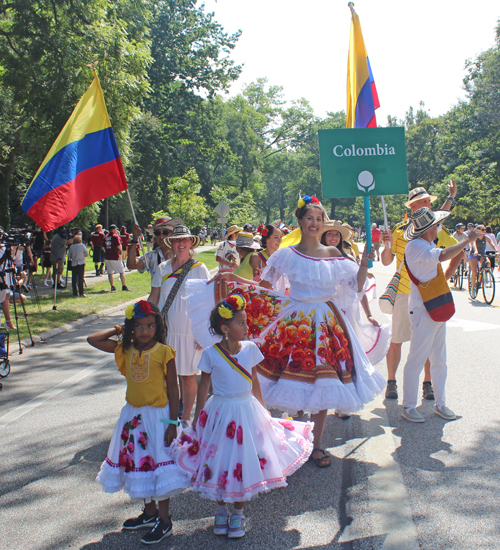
(208, 258)
(70, 308)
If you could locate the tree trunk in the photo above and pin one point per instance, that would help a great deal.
(5, 179)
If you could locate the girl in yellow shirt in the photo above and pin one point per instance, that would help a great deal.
(138, 459)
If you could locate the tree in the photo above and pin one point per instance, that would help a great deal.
(184, 201)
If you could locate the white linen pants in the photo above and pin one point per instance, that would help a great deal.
(428, 339)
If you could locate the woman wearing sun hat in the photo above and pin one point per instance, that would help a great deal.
(246, 247)
(226, 254)
(167, 293)
(428, 320)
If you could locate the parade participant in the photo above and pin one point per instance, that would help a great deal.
(167, 290)
(226, 254)
(373, 337)
(430, 305)
(459, 234)
(376, 240)
(478, 251)
(112, 252)
(124, 238)
(76, 255)
(161, 251)
(313, 360)
(96, 241)
(59, 243)
(203, 236)
(247, 451)
(47, 263)
(138, 459)
(395, 245)
(39, 238)
(270, 242)
(246, 247)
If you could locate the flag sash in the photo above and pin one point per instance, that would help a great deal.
(232, 361)
(263, 256)
(175, 274)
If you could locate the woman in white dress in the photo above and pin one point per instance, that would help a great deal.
(313, 360)
(179, 334)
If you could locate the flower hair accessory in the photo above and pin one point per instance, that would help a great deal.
(140, 309)
(230, 305)
(307, 200)
(262, 229)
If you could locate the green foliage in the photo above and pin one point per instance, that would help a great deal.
(184, 201)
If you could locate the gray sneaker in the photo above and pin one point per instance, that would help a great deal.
(221, 522)
(391, 391)
(444, 412)
(236, 526)
(412, 415)
(427, 390)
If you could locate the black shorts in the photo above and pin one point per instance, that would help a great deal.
(98, 256)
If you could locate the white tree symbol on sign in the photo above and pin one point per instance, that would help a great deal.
(366, 181)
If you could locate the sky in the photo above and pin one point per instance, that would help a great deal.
(417, 50)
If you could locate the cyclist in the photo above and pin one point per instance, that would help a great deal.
(459, 232)
(478, 251)
(491, 251)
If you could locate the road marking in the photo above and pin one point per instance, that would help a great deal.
(390, 508)
(471, 326)
(27, 407)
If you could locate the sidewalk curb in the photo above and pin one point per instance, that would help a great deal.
(41, 338)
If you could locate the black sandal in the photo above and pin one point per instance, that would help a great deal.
(322, 462)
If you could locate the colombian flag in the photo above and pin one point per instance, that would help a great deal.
(83, 166)
(362, 97)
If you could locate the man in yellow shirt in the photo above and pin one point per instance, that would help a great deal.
(394, 246)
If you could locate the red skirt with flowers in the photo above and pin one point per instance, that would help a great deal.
(138, 461)
(312, 357)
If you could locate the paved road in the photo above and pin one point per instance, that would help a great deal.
(393, 485)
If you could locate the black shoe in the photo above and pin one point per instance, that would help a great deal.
(427, 390)
(113, 288)
(144, 520)
(125, 289)
(391, 391)
(161, 530)
(61, 287)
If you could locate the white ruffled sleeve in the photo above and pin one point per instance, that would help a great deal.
(275, 271)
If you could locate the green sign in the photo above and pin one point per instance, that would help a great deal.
(359, 162)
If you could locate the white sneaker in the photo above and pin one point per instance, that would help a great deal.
(236, 526)
(221, 522)
(412, 415)
(444, 412)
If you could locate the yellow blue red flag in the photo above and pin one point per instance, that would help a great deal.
(83, 165)
(362, 97)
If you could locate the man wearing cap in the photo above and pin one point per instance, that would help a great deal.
(112, 252)
(226, 254)
(428, 334)
(161, 251)
(395, 245)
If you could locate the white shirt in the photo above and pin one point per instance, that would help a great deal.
(226, 381)
(227, 252)
(422, 258)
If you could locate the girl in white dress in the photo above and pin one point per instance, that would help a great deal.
(179, 334)
(313, 360)
(237, 450)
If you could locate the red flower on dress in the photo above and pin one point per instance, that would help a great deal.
(231, 429)
(147, 464)
(287, 424)
(126, 462)
(298, 354)
(239, 435)
(184, 438)
(130, 447)
(143, 439)
(237, 472)
(308, 363)
(202, 418)
(294, 366)
(125, 433)
(135, 422)
(223, 480)
(262, 462)
(194, 448)
(207, 473)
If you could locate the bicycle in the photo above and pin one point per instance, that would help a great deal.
(458, 276)
(484, 280)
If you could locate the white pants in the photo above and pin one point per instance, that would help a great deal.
(428, 339)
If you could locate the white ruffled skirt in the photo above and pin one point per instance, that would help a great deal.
(313, 359)
(239, 450)
(138, 461)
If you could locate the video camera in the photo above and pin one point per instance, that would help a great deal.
(17, 236)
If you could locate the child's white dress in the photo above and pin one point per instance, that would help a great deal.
(238, 449)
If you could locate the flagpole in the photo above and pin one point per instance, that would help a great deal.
(386, 223)
(140, 238)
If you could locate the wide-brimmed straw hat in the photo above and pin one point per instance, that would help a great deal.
(335, 225)
(245, 240)
(181, 232)
(418, 194)
(423, 219)
(231, 230)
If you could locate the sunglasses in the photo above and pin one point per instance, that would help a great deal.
(165, 233)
